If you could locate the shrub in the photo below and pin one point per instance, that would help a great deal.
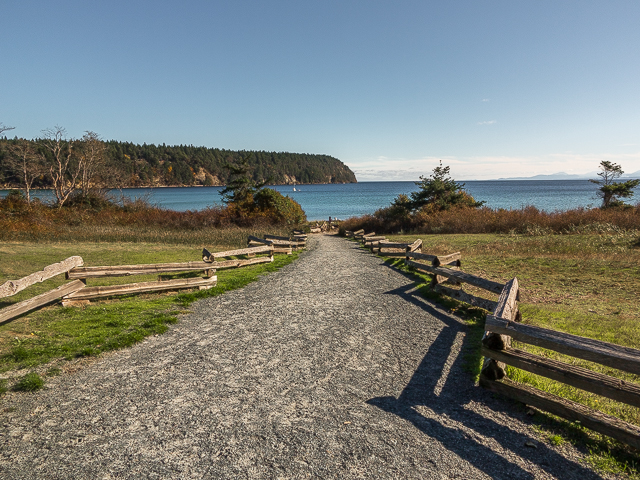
(279, 208)
(93, 199)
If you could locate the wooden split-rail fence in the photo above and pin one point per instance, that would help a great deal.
(280, 244)
(77, 292)
(505, 324)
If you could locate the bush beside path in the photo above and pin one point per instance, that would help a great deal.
(332, 367)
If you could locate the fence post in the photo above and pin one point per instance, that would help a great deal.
(507, 309)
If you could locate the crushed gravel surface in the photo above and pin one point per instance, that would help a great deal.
(332, 367)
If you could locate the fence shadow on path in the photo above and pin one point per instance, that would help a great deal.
(424, 390)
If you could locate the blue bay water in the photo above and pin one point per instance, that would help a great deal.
(348, 200)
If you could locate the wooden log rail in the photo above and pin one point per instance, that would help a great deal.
(388, 252)
(374, 238)
(402, 245)
(503, 326)
(17, 309)
(211, 257)
(12, 287)
(88, 293)
(276, 243)
(300, 237)
(251, 240)
(458, 276)
(280, 246)
(384, 247)
(362, 236)
(276, 237)
(127, 270)
(608, 354)
(592, 419)
(436, 260)
(351, 234)
(415, 246)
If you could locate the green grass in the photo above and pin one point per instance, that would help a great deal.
(29, 383)
(556, 440)
(64, 333)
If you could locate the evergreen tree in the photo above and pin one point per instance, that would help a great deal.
(440, 192)
(611, 191)
(241, 187)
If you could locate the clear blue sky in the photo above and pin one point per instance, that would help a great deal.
(493, 88)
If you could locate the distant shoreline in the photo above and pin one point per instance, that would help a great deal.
(40, 189)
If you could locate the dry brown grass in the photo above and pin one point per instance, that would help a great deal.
(133, 222)
(528, 220)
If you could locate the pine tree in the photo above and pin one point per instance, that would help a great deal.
(440, 192)
(611, 191)
(241, 186)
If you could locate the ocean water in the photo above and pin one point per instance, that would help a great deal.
(348, 200)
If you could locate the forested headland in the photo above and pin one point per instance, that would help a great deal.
(126, 164)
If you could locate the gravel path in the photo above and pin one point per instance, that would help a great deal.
(332, 367)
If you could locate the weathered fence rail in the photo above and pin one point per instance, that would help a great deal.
(280, 244)
(12, 287)
(26, 306)
(88, 293)
(504, 325)
(211, 257)
(126, 270)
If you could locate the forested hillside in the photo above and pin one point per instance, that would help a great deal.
(189, 165)
(132, 165)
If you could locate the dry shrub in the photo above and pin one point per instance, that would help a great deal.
(528, 220)
(22, 221)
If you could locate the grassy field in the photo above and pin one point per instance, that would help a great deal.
(45, 339)
(583, 284)
(102, 232)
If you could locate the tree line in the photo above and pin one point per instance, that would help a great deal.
(69, 166)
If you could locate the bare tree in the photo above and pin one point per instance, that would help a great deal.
(64, 165)
(24, 158)
(5, 128)
(93, 165)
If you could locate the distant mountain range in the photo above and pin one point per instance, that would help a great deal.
(571, 176)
